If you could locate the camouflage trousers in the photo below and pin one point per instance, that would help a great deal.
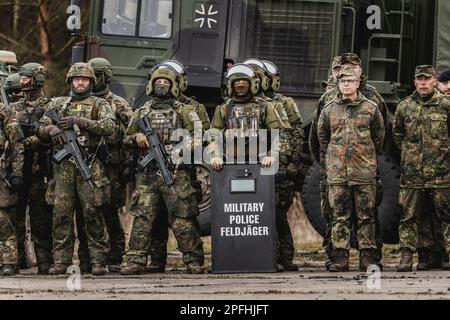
(417, 206)
(430, 235)
(8, 239)
(69, 188)
(356, 201)
(112, 220)
(327, 214)
(40, 213)
(150, 195)
(283, 199)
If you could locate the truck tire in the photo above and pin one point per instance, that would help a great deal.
(388, 210)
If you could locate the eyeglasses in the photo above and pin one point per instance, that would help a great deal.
(347, 81)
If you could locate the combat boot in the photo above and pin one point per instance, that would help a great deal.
(366, 259)
(8, 270)
(406, 261)
(436, 259)
(113, 268)
(340, 262)
(43, 268)
(424, 259)
(155, 267)
(132, 268)
(58, 269)
(98, 269)
(289, 266)
(194, 268)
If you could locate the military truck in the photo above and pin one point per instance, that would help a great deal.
(299, 36)
(8, 60)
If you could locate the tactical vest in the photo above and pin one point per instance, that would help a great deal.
(86, 108)
(164, 121)
(243, 116)
(29, 114)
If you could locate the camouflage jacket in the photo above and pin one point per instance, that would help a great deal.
(297, 134)
(97, 110)
(199, 108)
(256, 114)
(164, 116)
(351, 134)
(368, 91)
(422, 132)
(11, 146)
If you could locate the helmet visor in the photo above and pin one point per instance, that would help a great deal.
(242, 70)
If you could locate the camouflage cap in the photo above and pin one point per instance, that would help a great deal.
(350, 57)
(425, 70)
(336, 63)
(348, 71)
(329, 82)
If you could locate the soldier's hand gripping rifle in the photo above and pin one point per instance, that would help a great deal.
(156, 152)
(71, 149)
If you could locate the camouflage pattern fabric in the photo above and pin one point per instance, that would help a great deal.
(70, 187)
(362, 197)
(351, 134)
(37, 172)
(413, 210)
(422, 132)
(11, 160)
(152, 194)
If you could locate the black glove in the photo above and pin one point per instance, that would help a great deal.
(67, 123)
(57, 136)
(16, 184)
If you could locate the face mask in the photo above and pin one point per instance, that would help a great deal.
(162, 91)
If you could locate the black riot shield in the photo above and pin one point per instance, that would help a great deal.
(243, 233)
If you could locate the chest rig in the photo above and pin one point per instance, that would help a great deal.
(164, 120)
(29, 114)
(244, 118)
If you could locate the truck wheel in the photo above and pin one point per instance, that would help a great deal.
(388, 211)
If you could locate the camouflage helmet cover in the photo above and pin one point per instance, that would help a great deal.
(241, 71)
(80, 69)
(181, 72)
(260, 70)
(34, 70)
(102, 65)
(163, 72)
(274, 74)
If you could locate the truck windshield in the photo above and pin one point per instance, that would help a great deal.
(139, 18)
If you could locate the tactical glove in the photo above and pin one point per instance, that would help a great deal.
(141, 141)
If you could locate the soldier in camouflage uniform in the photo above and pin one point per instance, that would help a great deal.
(94, 120)
(12, 87)
(246, 111)
(37, 165)
(284, 188)
(351, 134)
(353, 61)
(422, 132)
(11, 162)
(165, 114)
(160, 234)
(115, 158)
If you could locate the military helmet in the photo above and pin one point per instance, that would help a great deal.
(163, 72)
(241, 71)
(80, 69)
(34, 70)
(103, 66)
(179, 68)
(274, 74)
(12, 83)
(260, 70)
